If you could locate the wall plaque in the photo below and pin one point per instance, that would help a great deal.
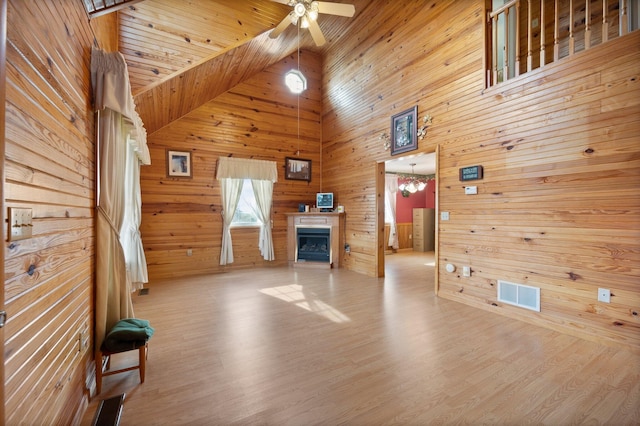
(470, 173)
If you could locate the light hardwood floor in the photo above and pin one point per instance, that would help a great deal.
(292, 346)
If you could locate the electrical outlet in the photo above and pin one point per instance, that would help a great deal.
(466, 271)
(444, 215)
(604, 295)
(189, 252)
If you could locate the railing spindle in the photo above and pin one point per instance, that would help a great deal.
(505, 65)
(572, 40)
(624, 18)
(605, 22)
(529, 39)
(542, 35)
(494, 65)
(517, 51)
(556, 36)
(587, 24)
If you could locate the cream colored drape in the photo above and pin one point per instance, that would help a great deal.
(119, 133)
(391, 189)
(231, 172)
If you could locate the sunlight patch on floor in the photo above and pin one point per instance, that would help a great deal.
(297, 295)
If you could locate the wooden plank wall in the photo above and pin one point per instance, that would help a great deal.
(405, 230)
(256, 119)
(49, 167)
(559, 205)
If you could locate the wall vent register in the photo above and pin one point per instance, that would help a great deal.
(520, 295)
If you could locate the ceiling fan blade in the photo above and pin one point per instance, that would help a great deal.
(281, 26)
(281, 1)
(316, 33)
(340, 9)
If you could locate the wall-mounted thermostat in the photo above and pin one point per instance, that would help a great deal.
(470, 190)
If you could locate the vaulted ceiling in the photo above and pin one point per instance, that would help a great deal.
(183, 53)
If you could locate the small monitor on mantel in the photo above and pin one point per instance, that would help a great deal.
(324, 201)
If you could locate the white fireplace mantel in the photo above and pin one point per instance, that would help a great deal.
(334, 221)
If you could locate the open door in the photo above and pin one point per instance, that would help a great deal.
(3, 62)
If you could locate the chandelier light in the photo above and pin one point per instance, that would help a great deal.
(413, 183)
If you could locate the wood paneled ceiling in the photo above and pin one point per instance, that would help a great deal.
(183, 53)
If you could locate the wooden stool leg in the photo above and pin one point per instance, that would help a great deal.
(142, 355)
(98, 373)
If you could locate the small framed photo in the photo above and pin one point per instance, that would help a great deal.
(404, 131)
(297, 169)
(179, 164)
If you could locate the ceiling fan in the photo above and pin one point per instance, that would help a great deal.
(306, 11)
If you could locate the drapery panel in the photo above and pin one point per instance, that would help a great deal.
(230, 190)
(120, 142)
(263, 192)
(391, 189)
(130, 238)
(231, 172)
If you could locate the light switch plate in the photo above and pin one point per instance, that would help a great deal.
(466, 271)
(20, 223)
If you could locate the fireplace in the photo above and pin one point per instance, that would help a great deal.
(323, 235)
(313, 244)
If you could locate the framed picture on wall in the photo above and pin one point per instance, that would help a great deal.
(179, 164)
(297, 169)
(404, 131)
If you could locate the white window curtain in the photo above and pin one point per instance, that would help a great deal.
(230, 190)
(231, 173)
(391, 188)
(130, 238)
(263, 191)
(119, 130)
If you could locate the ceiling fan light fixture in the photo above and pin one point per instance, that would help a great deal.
(304, 22)
(295, 81)
(313, 10)
(300, 10)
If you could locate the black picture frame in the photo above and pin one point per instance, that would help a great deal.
(179, 164)
(297, 169)
(404, 131)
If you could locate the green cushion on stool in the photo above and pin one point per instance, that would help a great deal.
(127, 334)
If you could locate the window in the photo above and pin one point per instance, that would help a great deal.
(244, 215)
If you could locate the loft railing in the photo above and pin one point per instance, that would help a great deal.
(523, 35)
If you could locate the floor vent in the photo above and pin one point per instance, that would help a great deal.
(143, 292)
(520, 295)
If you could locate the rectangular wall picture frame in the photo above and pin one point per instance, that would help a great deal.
(404, 131)
(297, 169)
(179, 164)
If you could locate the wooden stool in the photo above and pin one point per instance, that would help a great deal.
(103, 364)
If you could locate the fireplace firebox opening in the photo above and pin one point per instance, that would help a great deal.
(313, 244)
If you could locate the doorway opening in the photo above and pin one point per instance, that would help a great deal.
(407, 210)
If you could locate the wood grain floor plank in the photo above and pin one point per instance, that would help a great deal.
(288, 346)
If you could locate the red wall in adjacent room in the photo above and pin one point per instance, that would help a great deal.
(421, 199)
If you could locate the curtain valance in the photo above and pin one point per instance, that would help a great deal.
(111, 89)
(246, 168)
